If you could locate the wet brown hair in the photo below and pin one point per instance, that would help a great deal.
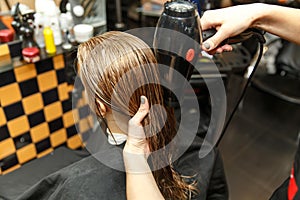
(102, 61)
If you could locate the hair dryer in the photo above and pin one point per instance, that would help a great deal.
(178, 25)
(174, 48)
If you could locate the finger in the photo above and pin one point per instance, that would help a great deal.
(219, 50)
(212, 52)
(227, 47)
(215, 40)
(142, 112)
(205, 23)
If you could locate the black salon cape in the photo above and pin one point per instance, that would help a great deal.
(89, 179)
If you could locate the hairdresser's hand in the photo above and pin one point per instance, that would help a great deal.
(136, 142)
(228, 22)
(140, 182)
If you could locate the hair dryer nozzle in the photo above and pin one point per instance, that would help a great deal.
(176, 45)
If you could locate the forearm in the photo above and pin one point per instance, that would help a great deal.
(280, 21)
(140, 183)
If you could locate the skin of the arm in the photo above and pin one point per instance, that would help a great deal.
(231, 21)
(140, 182)
(280, 21)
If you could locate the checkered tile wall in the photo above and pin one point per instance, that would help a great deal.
(36, 114)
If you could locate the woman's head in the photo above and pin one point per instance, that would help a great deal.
(105, 59)
(116, 68)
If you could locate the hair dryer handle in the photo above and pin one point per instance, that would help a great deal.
(232, 40)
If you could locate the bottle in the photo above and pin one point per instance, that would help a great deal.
(38, 31)
(49, 40)
(28, 37)
(63, 21)
(55, 29)
(51, 13)
(70, 23)
(27, 30)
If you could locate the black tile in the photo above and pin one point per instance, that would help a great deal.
(71, 131)
(50, 96)
(44, 65)
(13, 111)
(9, 162)
(84, 111)
(36, 118)
(67, 105)
(85, 136)
(56, 125)
(63, 144)
(7, 78)
(15, 48)
(4, 133)
(29, 87)
(22, 140)
(43, 145)
(61, 76)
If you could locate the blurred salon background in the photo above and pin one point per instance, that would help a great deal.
(44, 119)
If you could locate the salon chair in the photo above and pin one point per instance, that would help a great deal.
(285, 83)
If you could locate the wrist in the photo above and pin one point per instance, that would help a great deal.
(136, 146)
(261, 11)
(133, 149)
(135, 163)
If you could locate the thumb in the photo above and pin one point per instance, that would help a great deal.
(141, 113)
(215, 40)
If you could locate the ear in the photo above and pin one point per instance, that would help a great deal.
(102, 108)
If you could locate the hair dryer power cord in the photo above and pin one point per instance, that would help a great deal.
(261, 40)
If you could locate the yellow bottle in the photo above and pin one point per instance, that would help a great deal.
(49, 40)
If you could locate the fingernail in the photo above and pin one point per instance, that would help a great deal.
(142, 100)
(206, 45)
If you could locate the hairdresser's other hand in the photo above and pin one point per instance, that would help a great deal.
(228, 22)
(136, 142)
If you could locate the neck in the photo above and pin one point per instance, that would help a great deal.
(117, 123)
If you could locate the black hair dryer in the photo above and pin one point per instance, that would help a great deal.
(176, 45)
